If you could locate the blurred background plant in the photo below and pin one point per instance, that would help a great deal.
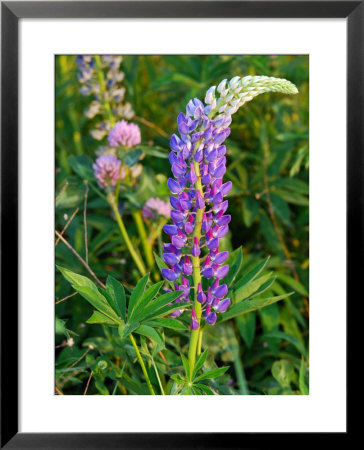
(267, 153)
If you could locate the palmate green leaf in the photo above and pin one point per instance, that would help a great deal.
(214, 373)
(178, 379)
(151, 333)
(294, 284)
(252, 273)
(60, 326)
(126, 329)
(132, 157)
(144, 300)
(269, 318)
(165, 311)
(99, 318)
(116, 293)
(199, 363)
(137, 293)
(186, 366)
(237, 257)
(253, 287)
(246, 325)
(154, 309)
(251, 305)
(250, 210)
(292, 197)
(173, 324)
(82, 165)
(205, 389)
(292, 184)
(89, 291)
(281, 208)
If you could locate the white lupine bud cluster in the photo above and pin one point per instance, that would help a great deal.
(237, 91)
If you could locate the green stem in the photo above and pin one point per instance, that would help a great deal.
(238, 366)
(138, 261)
(148, 251)
(141, 362)
(196, 274)
(240, 375)
(106, 104)
(199, 343)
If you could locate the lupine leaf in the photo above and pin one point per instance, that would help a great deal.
(178, 379)
(199, 363)
(206, 390)
(294, 284)
(292, 197)
(246, 324)
(159, 303)
(186, 366)
(151, 333)
(253, 273)
(117, 293)
(251, 305)
(293, 184)
(82, 165)
(89, 291)
(234, 267)
(287, 337)
(252, 287)
(164, 311)
(137, 293)
(144, 300)
(124, 331)
(250, 210)
(167, 323)
(214, 373)
(132, 157)
(99, 318)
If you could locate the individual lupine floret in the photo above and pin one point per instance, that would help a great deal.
(198, 164)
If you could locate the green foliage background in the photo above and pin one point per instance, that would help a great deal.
(267, 351)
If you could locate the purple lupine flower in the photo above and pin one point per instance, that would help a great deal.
(124, 133)
(155, 207)
(194, 323)
(198, 164)
(198, 159)
(108, 170)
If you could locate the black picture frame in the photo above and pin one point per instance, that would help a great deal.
(11, 12)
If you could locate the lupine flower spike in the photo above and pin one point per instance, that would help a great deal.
(198, 164)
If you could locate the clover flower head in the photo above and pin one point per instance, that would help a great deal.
(198, 164)
(124, 133)
(108, 170)
(155, 207)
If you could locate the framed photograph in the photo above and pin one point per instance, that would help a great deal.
(181, 193)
